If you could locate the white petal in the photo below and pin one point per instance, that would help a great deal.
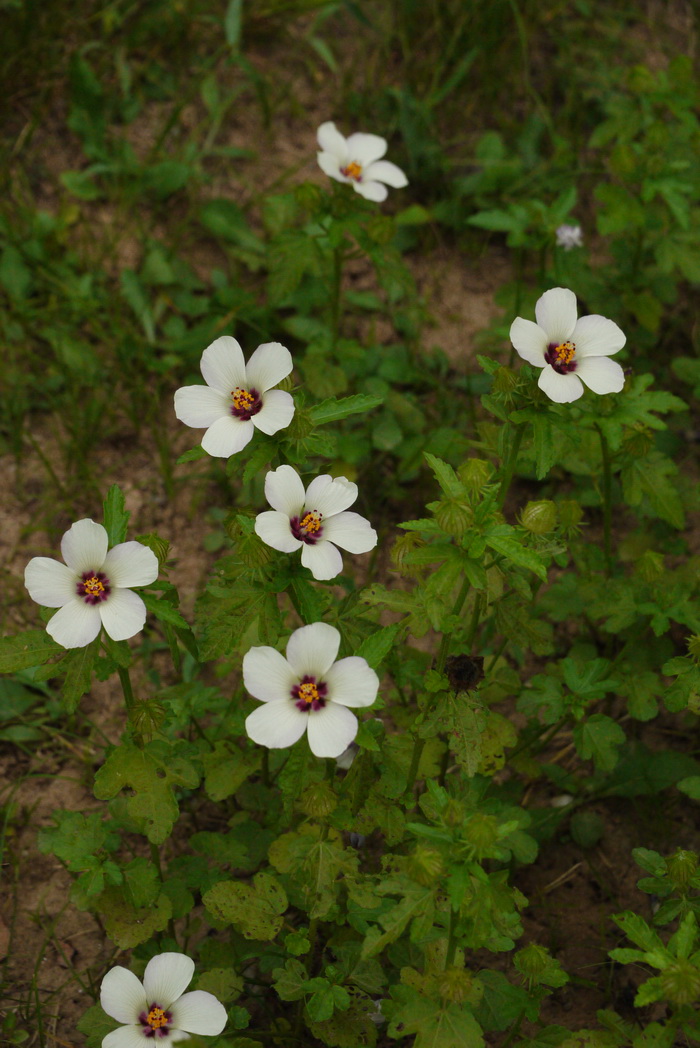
(131, 564)
(322, 559)
(76, 624)
(267, 675)
(166, 978)
(330, 140)
(385, 171)
(555, 312)
(123, 614)
(562, 389)
(596, 336)
(375, 191)
(269, 364)
(365, 149)
(352, 682)
(49, 582)
(601, 374)
(277, 411)
(312, 649)
(199, 1012)
(330, 165)
(227, 436)
(350, 531)
(125, 1037)
(223, 366)
(84, 546)
(122, 996)
(276, 725)
(328, 495)
(529, 341)
(284, 490)
(200, 406)
(273, 528)
(331, 730)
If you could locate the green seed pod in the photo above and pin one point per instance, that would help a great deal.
(680, 982)
(475, 473)
(453, 814)
(318, 800)
(455, 985)
(253, 551)
(454, 517)
(694, 647)
(681, 867)
(570, 513)
(505, 381)
(425, 865)
(482, 833)
(650, 566)
(539, 518)
(532, 961)
(404, 545)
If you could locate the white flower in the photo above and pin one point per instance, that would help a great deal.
(238, 397)
(357, 160)
(314, 520)
(307, 690)
(159, 1009)
(92, 587)
(569, 236)
(569, 350)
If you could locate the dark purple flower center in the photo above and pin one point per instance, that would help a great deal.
(155, 1022)
(245, 403)
(561, 357)
(309, 695)
(308, 528)
(353, 170)
(93, 587)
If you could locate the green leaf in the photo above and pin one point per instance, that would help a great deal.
(128, 925)
(226, 220)
(518, 554)
(78, 666)
(164, 611)
(116, 517)
(637, 929)
(445, 475)
(436, 1025)
(232, 24)
(24, 650)
(226, 768)
(332, 410)
(254, 909)
(690, 786)
(502, 1002)
(599, 738)
(377, 646)
(290, 981)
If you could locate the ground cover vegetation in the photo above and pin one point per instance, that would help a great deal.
(446, 630)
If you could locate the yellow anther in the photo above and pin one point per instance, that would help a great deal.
(242, 399)
(311, 523)
(308, 693)
(93, 586)
(565, 352)
(157, 1018)
(353, 170)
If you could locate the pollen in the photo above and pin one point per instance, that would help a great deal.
(308, 693)
(93, 587)
(564, 352)
(353, 170)
(242, 399)
(157, 1018)
(311, 522)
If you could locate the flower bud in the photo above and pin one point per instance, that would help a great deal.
(455, 985)
(253, 551)
(539, 517)
(532, 961)
(680, 982)
(650, 566)
(570, 514)
(404, 545)
(453, 813)
(475, 473)
(454, 516)
(425, 865)
(505, 381)
(318, 800)
(694, 647)
(482, 833)
(157, 545)
(681, 867)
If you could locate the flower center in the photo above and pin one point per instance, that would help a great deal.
(353, 171)
(245, 403)
(308, 528)
(561, 357)
(93, 587)
(309, 695)
(155, 1022)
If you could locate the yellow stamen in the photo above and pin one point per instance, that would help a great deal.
(242, 399)
(353, 170)
(93, 586)
(157, 1018)
(311, 523)
(308, 693)
(565, 352)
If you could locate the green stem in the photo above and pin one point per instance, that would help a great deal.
(513, 1032)
(418, 745)
(447, 637)
(509, 466)
(607, 500)
(130, 702)
(451, 941)
(336, 299)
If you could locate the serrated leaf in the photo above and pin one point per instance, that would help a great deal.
(445, 475)
(518, 554)
(24, 650)
(377, 646)
(436, 1025)
(598, 738)
(116, 517)
(78, 666)
(164, 611)
(254, 909)
(332, 410)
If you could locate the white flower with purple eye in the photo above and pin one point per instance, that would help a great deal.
(569, 350)
(92, 588)
(357, 160)
(313, 520)
(158, 1009)
(307, 691)
(569, 237)
(238, 397)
